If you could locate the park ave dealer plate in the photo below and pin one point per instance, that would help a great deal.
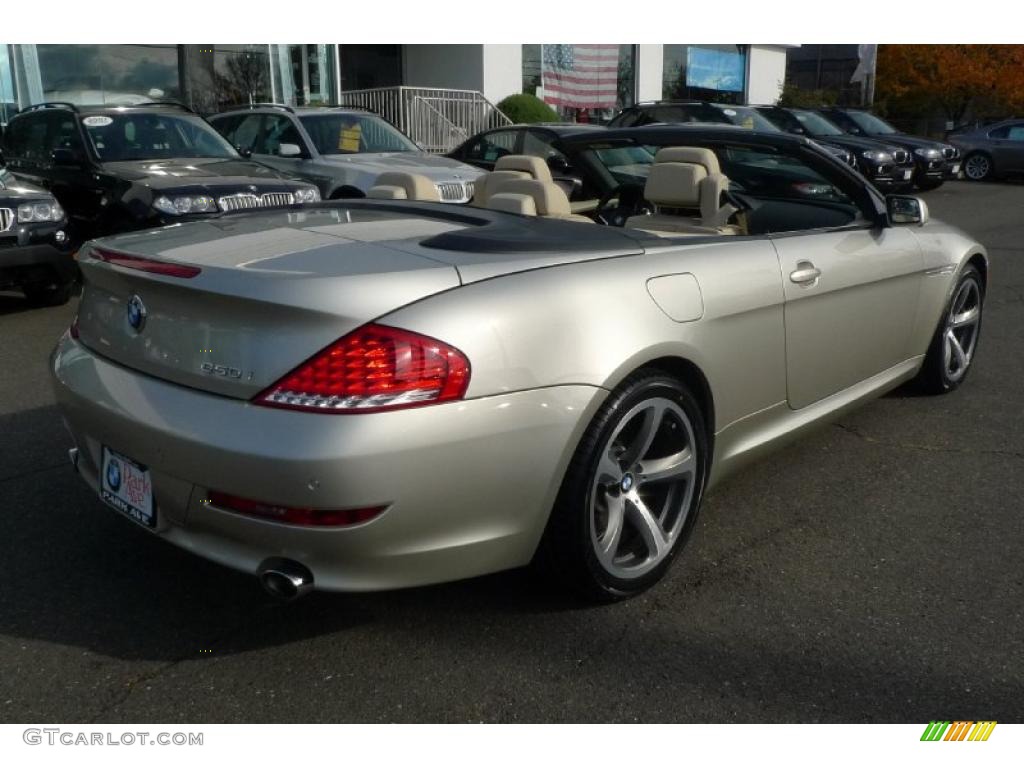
(127, 487)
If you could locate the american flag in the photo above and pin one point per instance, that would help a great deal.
(582, 76)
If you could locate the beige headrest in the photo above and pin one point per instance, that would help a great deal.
(489, 184)
(696, 155)
(675, 185)
(534, 166)
(381, 192)
(513, 203)
(547, 196)
(416, 187)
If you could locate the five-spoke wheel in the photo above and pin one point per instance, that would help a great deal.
(955, 341)
(632, 490)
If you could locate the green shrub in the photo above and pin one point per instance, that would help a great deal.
(525, 108)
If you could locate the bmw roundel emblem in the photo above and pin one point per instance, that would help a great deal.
(114, 474)
(136, 313)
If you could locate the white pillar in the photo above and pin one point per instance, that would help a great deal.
(649, 66)
(767, 72)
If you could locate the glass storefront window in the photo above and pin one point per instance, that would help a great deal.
(108, 74)
(583, 83)
(704, 72)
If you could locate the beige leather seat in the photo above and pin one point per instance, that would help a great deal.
(395, 185)
(685, 184)
(545, 199)
(534, 166)
(509, 168)
(487, 185)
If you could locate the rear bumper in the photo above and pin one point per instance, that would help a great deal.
(468, 484)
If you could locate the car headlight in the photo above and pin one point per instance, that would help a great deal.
(180, 205)
(877, 156)
(929, 153)
(30, 212)
(307, 195)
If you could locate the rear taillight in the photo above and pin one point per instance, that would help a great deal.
(142, 264)
(374, 368)
(293, 515)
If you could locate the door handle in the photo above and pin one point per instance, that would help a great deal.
(805, 273)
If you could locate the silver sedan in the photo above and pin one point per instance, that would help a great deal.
(365, 395)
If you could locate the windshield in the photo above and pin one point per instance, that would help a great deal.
(871, 124)
(152, 136)
(628, 164)
(748, 117)
(347, 133)
(815, 124)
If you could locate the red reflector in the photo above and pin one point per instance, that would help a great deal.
(145, 265)
(374, 368)
(293, 515)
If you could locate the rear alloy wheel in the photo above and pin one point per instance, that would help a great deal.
(978, 167)
(631, 495)
(952, 349)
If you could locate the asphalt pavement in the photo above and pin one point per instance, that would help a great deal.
(872, 572)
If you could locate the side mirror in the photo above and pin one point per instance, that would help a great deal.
(66, 157)
(558, 164)
(798, 130)
(245, 152)
(904, 209)
(289, 150)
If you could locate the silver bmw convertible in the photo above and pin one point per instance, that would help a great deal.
(372, 394)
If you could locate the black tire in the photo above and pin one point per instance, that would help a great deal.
(935, 377)
(48, 294)
(926, 186)
(978, 166)
(568, 551)
(347, 193)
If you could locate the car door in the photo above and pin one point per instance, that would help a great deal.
(26, 148)
(1008, 147)
(275, 131)
(73, 180)
(850, 286)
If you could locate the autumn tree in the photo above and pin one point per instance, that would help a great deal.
(955, 78)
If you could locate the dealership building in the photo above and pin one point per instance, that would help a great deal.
(440, 83)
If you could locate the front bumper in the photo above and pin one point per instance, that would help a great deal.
(31, 253)
(929, 169)
(468, 484)
(887, 176)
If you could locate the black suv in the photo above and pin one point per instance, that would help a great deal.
(934, 161)
(651, 112)
(116, 169)
(888, 167)
(34, 254)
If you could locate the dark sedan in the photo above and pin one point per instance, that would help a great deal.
(992, 151)
(935, 162)
(34, 254)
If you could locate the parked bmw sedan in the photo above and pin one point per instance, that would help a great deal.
(373, 394)
(117, 169)
(886, 166)
(992, 151)
(343, 150)
(935, 161)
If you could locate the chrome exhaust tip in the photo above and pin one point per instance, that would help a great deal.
(285, 579)
(73, 457)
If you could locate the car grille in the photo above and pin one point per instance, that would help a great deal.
(246, 200)
(900, 156)
(455, 191)
(6, 219)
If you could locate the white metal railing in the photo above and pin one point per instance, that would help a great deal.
(437, 119)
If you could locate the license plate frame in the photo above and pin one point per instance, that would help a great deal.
(127, 486)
